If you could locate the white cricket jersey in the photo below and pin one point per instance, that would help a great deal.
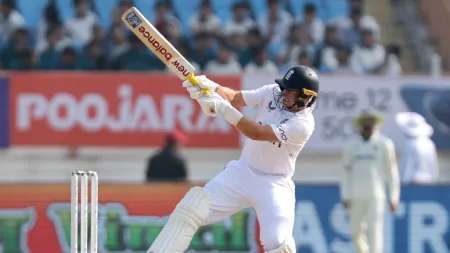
(292, 129)
(368, 166)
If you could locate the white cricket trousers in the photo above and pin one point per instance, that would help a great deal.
(367, 217)
(273, 198)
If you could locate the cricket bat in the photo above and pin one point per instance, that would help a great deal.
(160, 46)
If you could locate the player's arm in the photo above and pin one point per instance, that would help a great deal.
(233, 96)
(255, 131)
(237, 98)
(391, 171)
(242, 97)
(346, 174)
(293, 132)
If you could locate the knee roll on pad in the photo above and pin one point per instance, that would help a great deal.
(287, 247)
(190, 213)
(193, 208)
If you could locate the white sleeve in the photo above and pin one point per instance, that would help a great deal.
(391, 171)
(293, 132)
(346, 173)
(254, 97)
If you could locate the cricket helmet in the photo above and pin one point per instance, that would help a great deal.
(303, 80)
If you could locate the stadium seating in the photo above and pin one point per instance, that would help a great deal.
(185, 10)
(297, 6)
(146, 7)
(65, 7)
(258, 7)
(335, 9)
(223, 9)
(32, 10)
(104, 9)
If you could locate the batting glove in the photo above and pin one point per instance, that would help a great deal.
(196, 91)
(210, 104)
(214, 104)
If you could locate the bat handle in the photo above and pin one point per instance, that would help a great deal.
(191, 78)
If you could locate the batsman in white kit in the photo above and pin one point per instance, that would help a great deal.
(261, 178)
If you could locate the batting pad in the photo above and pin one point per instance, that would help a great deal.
(188, 216)
(287, 247)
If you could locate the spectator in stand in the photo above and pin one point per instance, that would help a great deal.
(244, 47)
(69, 60)
(304, 59)
(184, 49)
(368, 55)
(81, 25)
(137, 57)
(51, 18)
(391, 65)
(24, 60)
(94, 57)
(119, 10)
(351, 35)
(342, 61)
(168, 164)
(99, 38)
(239, 48)
(10, 20)
(166, 23)
(357, 17)
(19, 41)
(204, 49)
(339, 61)
(275, 24)
(315, 26)
(297, 42)
(325, 57)
(205, 20)
(224, 64)
(55, 42)
(241, 21)
(94, 54)
(285, 44)
(118, 43)
(261, 63)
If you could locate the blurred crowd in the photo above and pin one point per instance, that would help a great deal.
(246, 42)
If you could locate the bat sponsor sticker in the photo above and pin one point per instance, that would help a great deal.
(133, 19)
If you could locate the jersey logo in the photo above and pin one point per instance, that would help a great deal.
(284, 121)
(361, 157)
(270, 107)
(282, 132)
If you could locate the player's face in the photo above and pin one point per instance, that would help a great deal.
(367, 127)
(289, 97)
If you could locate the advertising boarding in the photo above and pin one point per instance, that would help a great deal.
(139, 109)
(110, 109)
(342, 97)
(35, 218)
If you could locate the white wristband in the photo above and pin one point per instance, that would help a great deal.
(231, 114)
